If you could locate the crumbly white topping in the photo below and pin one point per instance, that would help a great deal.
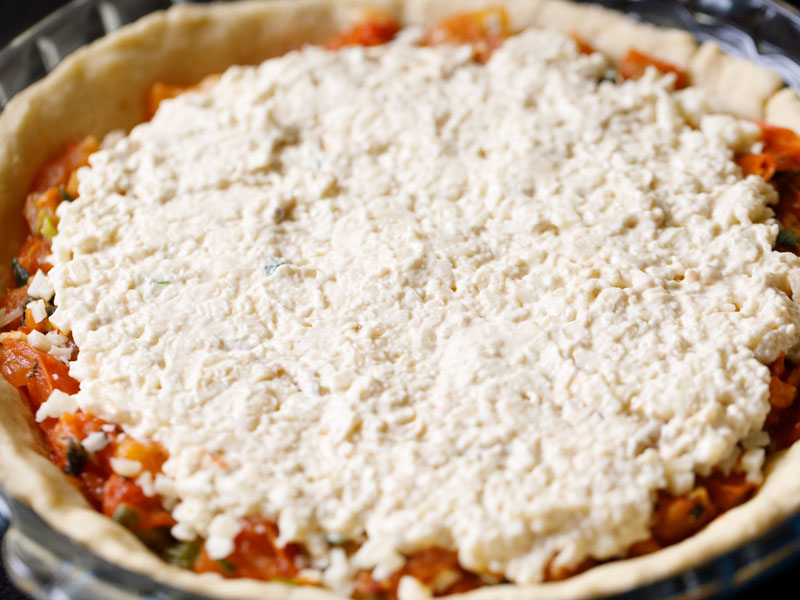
(37, 339)
(95, 441)
(393, 293)
(38, 312)
(125, 467)
(40, 286)
(409, 588)
(57, 404)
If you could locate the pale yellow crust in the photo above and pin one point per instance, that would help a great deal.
(101, 87)
(613, 33)
(735, 85)
(522, 13)
(783, 109)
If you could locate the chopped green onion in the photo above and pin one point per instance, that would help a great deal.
(183, 554)
(157, 539)
(335, 540)
(610, 75)
(65, 195)
(21, 276)
(126, 515)
(227, 566)
(697, 511)
(787, 239)
(76, 458)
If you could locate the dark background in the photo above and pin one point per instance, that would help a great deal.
(18, 15)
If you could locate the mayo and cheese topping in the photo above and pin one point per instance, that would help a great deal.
(393, 295)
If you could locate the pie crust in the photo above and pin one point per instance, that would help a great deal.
(188, 42)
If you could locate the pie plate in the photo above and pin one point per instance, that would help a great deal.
(47, 564)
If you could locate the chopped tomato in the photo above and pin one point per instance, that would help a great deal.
(678, 517)
(788, 210)
(559, 573)
(364, 586)
(40, 211)
(783, 426)
(376, 29)
(435, 567)
(427, 566)
(151, 455)
(57, 172)
(781, 393)
(30, 324)
(584, 47)
(781, 154)
(34, 254)
(635, 63)
(783, 420)
(160, 91)
(727, 491)
(647, 546)
(40, 373)
(157, 93)
(70, 429)
(784, 145)
(125, 502)
(14, 300)
(256, 554)
(758, 164)
(92, 484)
(485, 30)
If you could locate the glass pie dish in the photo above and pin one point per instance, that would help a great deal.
(42, 560)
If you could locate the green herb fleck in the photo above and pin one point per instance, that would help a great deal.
(609, 75)
(157, 539)
(48, 228)
(787, 239)
(227, 566)
(271, 265)
(163, 282)
(21, 276)
(697, 511)
(183, 554)
(65, 195)
(335, 540)
(76, 458)
(34, 370)
(126, 515)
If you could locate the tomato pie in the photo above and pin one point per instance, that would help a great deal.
(429, 301)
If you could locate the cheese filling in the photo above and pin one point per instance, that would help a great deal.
(389, 294)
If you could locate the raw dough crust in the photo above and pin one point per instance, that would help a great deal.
(613, 34)
(783, 109)
(734, 85)
(521, 13)
(188, 42)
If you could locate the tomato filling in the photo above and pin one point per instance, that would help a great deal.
(376, 29)
(85, 447)
(635, 63)
(485, 30)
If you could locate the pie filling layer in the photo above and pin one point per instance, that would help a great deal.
(397, 297)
